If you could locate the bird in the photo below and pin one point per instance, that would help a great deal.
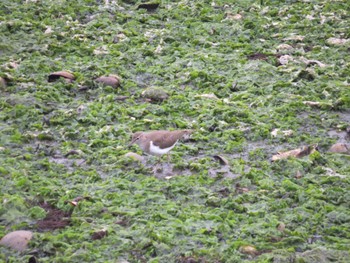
(159, 142)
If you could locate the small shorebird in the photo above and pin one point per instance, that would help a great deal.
(159, 142)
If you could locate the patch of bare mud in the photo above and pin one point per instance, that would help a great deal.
(70, 164)
(340, 136)
(54, 219)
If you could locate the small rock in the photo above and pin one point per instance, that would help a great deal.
(69, 77)
(148, 6)
(339, 148)
(155, 94)
(111, 80)
(99, 234)
(17, 240)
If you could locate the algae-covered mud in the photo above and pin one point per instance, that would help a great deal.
(265, 176)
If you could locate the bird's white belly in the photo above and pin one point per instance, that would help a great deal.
(156, 150)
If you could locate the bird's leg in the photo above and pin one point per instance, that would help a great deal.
(156, 167)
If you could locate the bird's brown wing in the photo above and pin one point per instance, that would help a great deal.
(168, 139)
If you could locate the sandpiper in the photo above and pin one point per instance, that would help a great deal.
(159, 142)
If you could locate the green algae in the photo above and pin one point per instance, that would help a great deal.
(188, 49)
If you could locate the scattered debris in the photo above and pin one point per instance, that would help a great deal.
(17, 240)
(224, 191)
(3, 83)
(221, 159)
(122, 221)
(298, 175)
(337, 41)
(240, 189)
(81, 108)
(284, 60)
(317, 104)
(69, 77)
(234, 86)
(330, 172)
(250, 250)
(230, 16)
(32, 259)
(121, 98)
(295, 38)
(99, 234)
(284, 47)
(48, 30)
(159, 49)
(298, 153)
(257, 56)
(148, 6)
(46, 120)
(119, 38)
(101, 50)
(208, 96)
(76, 200)
(12, 65)
(314, 239)
(286, 133)
(306, 74)
(83, 87)
(312, 62)
(73, 152)
(281, 227)
(312, 103)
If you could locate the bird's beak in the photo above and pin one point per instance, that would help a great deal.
(132, 142)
